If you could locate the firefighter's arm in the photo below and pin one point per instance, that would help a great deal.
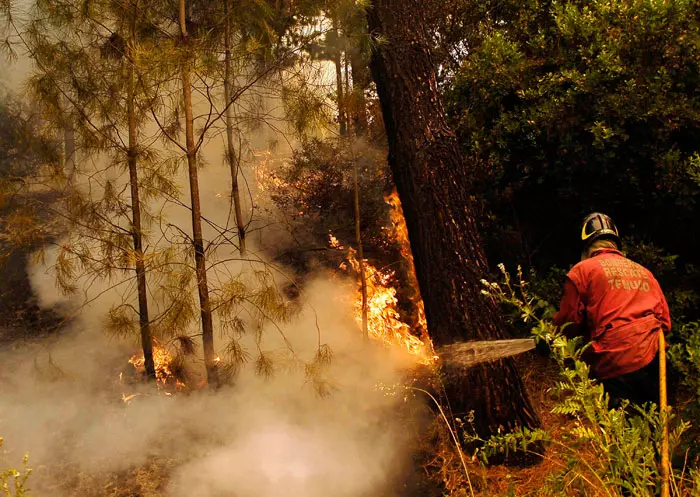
(570, 310)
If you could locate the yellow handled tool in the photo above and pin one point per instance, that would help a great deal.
(663, 406)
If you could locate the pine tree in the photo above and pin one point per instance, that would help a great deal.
(210, 357)
(88, 84)
(233, 159)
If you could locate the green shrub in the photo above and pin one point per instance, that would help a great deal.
(679, 281)
(13, 483)
(606, 451)
(685, 358)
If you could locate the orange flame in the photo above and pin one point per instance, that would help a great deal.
(399, 233)
(266, 178)
(162, 360)
(334, 242)
(383, 319)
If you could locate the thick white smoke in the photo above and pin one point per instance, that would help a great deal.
(60, 400)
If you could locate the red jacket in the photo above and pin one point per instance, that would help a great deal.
(621, 307)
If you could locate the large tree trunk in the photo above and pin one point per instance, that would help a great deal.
(132, 153)
(432, 183)
(232, 159)
(210, 362)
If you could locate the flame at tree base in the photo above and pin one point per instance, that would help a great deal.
(383, 319)
(163, 360)
(384, 322)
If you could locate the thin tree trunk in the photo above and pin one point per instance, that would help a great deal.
(197, 240)
(360, 250)
(361, 79)
(233, 161)
(337, 60)
(346, 66)
(69, 148)
(433, 186)
(136, 233)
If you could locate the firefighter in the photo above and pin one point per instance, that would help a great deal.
(618, 306)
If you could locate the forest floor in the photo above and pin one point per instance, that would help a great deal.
(539, 374)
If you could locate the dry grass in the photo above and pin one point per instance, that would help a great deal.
(147, 480)
(445, 467)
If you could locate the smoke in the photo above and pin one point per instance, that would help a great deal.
(61, 399)
(285, 440)
(17, 66)
(261, 437)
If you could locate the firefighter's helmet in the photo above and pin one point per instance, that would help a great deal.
(598, 226)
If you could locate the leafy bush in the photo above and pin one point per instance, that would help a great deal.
(571, 106)
(315, 191)
(607, 451)
(679, 281)
(685, 357)
(13, 483)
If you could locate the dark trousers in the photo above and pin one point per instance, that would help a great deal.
(639, 387)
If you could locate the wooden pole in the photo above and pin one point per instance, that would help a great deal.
(663, 405)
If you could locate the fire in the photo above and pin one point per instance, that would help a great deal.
(383, 319)
(265, 172)
(334, 242)
(162, 360)
(399, 233)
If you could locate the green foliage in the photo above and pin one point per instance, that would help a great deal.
(13, 483)
(685, 357)
(582, 106)
(607, 451)
(678, 280)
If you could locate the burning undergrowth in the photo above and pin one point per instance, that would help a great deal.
(93, 428)
(384, 321)
(260, 437)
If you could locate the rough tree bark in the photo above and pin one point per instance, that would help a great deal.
(210, 362)
(232, 159)
(136, 233)
(432, 183)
